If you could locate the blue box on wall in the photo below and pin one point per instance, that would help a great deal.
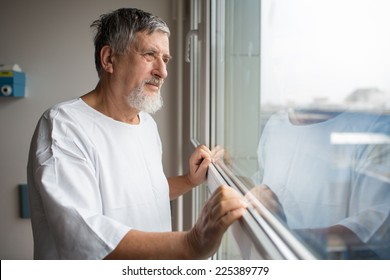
(12, 83)
(24, 202)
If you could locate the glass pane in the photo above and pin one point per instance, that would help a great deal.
(303, 116)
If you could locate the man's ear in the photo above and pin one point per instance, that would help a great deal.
(106, 58)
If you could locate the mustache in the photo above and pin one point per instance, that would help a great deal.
(155, 81)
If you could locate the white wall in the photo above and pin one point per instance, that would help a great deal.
(52, 43)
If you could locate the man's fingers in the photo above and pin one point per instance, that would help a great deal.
(226, 206)
(232, 216)
(200, 154)
(224, 201)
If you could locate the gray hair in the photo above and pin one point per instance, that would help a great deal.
(118, 29)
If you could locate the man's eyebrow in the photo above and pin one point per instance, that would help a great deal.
(166, 56)
(155, 50)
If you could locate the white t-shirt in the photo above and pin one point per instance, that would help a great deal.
(91, 180)
(333, 172)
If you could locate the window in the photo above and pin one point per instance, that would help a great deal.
(297, 96)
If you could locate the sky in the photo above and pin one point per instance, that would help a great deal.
(323, 49)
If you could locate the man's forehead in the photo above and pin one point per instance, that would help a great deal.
(156, 40)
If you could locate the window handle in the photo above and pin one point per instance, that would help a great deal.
(190, 34)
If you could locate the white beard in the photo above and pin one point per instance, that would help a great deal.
(137, 99)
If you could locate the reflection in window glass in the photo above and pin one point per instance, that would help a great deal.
(303, 99)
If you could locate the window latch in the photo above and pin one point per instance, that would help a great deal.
(190, 34)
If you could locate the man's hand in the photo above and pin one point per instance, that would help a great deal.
(224, 207)
(199, 164)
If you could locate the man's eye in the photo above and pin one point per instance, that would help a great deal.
(166, 60)
(150, 56)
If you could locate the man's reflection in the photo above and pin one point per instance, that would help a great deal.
(330, 175)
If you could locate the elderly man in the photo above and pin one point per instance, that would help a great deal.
(97, 187)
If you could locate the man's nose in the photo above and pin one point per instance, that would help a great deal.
(160, 68)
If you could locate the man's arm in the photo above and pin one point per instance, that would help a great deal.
(153, 245)
(223, 208)
(179, 185)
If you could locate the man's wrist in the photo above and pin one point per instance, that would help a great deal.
(191, 245)
(189, 182)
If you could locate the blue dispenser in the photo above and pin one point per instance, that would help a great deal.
(12, 83)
